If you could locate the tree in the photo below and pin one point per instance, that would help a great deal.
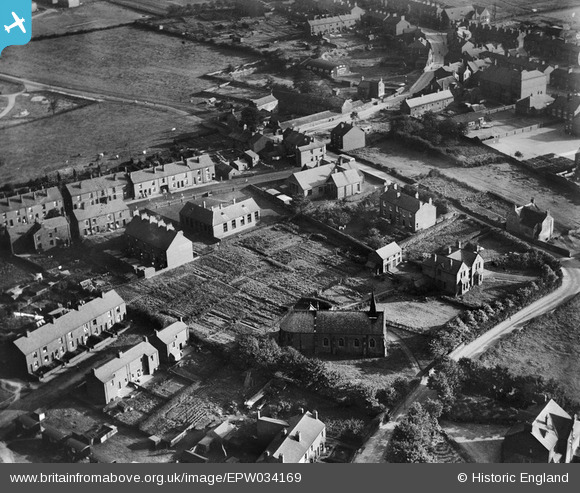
(354, 117)
(251, 117)
(52, 104)
(299, 203)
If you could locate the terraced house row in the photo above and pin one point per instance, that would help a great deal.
(51, 217)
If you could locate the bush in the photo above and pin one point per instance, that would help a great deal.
(346, 429)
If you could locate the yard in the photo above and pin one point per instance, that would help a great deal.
(481, 442)
(419, 315)
(548, 346)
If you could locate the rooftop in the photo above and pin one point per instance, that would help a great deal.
(30, 199)
(97, 184)
(106, 372)
(207, 213)
(429, 98)
(153, 232)
(69, 321)
(168, 334)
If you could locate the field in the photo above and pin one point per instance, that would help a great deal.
(244, 285)
(32, 106)
(419, 315)
(548, 346)
(509, 181)
(95, 15)
(156, 7)
(74, 139)
(125, 62)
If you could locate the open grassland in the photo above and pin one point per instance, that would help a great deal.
(549, 346)
(75, 138)
(94, 15)
(125, 62)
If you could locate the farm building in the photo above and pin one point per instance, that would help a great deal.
(457, 270)
(407, 210)
(105, 382)
(171, 341)
(385, 259)
(551, 435)
(220, 220)
(336, 332)
(52, 341)
(346, 137)
(157, 243)
(530, 221)
(300, 440)
(434, 102)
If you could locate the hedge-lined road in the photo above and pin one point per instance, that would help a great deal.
(375, 448)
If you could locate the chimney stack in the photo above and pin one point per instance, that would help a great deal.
(119, 354)
(297, 436)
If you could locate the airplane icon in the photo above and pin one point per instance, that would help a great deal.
(17, 23)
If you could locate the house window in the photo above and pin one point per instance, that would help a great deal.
(44, 349)
(356, 343)
(325, 342)
(242, 221)
(225, 227)
(233, 224)
(341, 342)
(372, 343)
(249, 218)
(257, 215)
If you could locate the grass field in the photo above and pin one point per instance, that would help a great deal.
(95, 15)
(74, 139)
(419, 315)
(125, 62)
(548, 346)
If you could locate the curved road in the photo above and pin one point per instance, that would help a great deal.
(100, 96)
(375, 448)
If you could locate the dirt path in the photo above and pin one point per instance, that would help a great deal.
(11, 102)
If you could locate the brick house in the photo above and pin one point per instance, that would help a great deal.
(40, 236)
(99, 218)
(99, 190)
(531, 222)
(300, 440)
(157, 243)
(171, 341)
(550, 435)
(371, 89)
(31, 207)
(434, 102)
(457, 270)
(407, 210)
(385, 259)
(172, 177)
(566, 108)
(52, 341)
(346, 137)
(220, 220)
(338, 332)
(105, 382)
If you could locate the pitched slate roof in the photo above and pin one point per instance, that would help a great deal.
(531, 215)
(400, 199)
(219, 215)
(314, 177)
(150, 232)
(347, 177)
(468, 257)
(199, 162)
(447, 264)
(323, 64)
(332, 20)
(286, 443)
(99, 210)
(167, 335)
(97, 184)
(429, 98)
(30, 199)
(163, 171)
(69, 321)
(388, 250)
(333, 322)
(105, 373)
